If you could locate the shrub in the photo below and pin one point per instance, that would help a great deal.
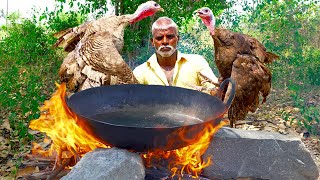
(28, 69)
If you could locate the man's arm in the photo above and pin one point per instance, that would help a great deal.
(208, 80)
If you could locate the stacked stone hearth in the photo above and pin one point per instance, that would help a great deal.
(235, 154)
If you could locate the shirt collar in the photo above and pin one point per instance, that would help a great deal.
(153, 63)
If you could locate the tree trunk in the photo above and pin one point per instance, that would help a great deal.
(118, 7)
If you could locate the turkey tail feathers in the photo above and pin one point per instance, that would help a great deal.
(60, 35)
(68, 38)
(271, 57)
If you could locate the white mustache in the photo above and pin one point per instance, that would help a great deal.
(168, 46)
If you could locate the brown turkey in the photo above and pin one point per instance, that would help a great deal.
(94, 50)
(242, 58)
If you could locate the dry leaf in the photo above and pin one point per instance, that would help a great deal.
(4, 147)
(26, 171)
(10, 166)
(6, 178)
(33, 132)
(6, 125)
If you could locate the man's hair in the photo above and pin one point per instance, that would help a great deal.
(163, 23)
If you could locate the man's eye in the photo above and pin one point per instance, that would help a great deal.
(170, 36)
(159, 38)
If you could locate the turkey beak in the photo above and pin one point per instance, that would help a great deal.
(196, 12)
(161, 9)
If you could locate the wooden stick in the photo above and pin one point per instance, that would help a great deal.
(36, 163)
(77, 157)
(58, 169)
(38, 175)
(37, 158)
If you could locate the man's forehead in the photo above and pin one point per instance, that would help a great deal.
(165, 30)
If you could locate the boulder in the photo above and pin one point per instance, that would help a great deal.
(239, 153)
(111, 164)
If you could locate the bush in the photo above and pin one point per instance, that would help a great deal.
(26, 43)
(28, 69)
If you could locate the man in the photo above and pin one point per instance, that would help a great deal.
(171, 67)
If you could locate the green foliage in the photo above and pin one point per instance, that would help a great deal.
(291, 30)
(196, 39)
(28, 69)
(13, 17)
(59, 20)
(27, 43)
(310, 111)
(180, 11)
(88, 6)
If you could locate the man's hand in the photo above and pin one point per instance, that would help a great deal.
(214, 92)
(207, 79)
(198, 88)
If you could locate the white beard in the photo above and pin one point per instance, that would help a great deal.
(166, 53)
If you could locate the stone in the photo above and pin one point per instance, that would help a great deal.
(111, 164)
(239, 153)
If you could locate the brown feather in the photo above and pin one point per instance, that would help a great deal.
(94, 58)
(242, 58)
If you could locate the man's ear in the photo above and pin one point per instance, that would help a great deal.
(178, 37)
(152, 43)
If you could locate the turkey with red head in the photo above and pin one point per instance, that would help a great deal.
(242, 58)
(94, 48)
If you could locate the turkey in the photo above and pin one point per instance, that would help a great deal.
(94, 48)
(242, 58)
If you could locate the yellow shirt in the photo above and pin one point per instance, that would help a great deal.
(186, 72)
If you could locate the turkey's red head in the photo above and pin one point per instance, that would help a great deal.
(146, 9)
(207, 18)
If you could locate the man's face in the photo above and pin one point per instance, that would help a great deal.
(165, 41)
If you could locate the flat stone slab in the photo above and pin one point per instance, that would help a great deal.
(111, 164)
(239, 153)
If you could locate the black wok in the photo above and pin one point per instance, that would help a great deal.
(147, 117)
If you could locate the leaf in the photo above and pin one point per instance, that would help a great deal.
(27, 170)
(6, 125)
(33, 132)
(6, 178)
(4, 147)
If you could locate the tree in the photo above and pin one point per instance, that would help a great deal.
(290, 29)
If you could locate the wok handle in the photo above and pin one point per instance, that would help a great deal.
(232, 93)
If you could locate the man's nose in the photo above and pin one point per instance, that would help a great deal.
(165, 41)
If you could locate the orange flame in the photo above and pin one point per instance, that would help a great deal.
(70, 140)
(60, 124)
(187, 159)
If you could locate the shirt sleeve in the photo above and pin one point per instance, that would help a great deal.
(139, 74)
(205, 70)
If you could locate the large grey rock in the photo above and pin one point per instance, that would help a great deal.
(258, 154)
(111, 164)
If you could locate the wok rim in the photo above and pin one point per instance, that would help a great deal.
(216, 117)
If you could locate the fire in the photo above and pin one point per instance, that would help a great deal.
(187, 159)
(68, 140)
(60, 124)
